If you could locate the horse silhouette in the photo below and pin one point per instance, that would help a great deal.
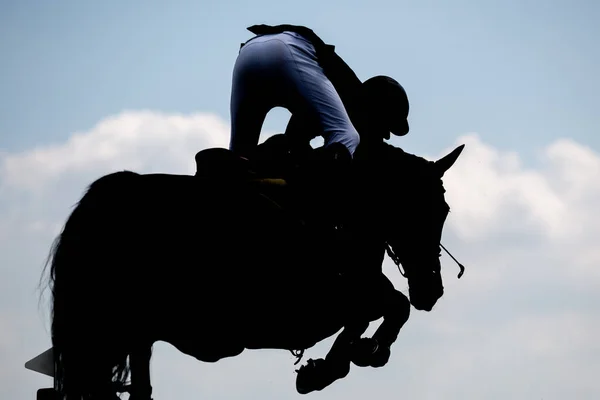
(229, 260)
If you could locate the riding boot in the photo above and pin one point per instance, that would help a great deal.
(329, 171)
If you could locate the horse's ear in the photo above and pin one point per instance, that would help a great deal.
(443, 164)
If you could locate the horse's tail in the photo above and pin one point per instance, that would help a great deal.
(89, 328)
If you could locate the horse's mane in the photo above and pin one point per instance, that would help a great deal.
(398, 165)
(403, 158)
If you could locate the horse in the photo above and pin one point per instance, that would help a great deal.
(206, 262)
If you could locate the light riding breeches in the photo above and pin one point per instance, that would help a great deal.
(282, 70)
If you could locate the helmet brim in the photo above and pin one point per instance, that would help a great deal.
(401, 129)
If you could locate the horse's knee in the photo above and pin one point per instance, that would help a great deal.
(397, 306)
(402, 303)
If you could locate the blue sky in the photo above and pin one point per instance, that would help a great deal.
(87, 88)
(522, 72)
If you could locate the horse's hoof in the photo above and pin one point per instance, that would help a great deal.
(367, 352)
(318, 374)
(380, 357)
(362, 351)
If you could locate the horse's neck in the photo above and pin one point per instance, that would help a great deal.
(387, 178)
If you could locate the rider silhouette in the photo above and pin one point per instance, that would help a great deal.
(290, 66)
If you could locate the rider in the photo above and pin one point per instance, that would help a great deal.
(290, 66)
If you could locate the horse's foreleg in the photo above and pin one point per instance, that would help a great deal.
(397, 313)
(375, 351)
(320, 373)
(340, 351)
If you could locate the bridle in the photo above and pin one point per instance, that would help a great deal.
(396, 260)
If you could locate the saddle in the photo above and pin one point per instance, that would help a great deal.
(222, 163)
(295, 178)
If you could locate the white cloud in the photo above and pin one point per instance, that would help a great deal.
(554, 199)
(132, 140)
(522, 323)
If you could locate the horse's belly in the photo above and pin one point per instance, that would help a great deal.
(295, 336)
(289, 320)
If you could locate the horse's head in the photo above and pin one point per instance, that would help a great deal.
(416, 223)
